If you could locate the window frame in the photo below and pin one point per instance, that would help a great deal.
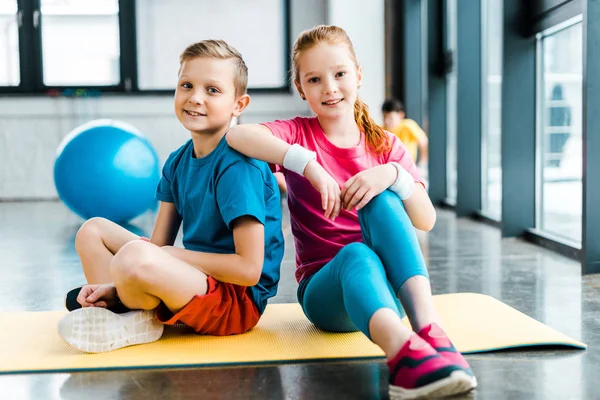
(539, 230)
(546, 14)
(30, 55)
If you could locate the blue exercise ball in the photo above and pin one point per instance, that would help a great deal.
(108, 169)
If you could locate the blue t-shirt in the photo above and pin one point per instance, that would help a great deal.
(210, 192)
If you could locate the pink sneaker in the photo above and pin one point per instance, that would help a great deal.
(437, 338)
(418, 371)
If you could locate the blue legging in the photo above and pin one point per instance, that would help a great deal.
(365, 277)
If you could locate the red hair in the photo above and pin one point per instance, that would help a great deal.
(376, 138)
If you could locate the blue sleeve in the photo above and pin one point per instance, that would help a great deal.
(164, 191)
(241, 191)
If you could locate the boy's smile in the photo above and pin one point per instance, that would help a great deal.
(194, 114)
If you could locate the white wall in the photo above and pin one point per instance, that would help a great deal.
(31, 128)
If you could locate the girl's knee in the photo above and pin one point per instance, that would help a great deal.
(386, 200)
(384, 214)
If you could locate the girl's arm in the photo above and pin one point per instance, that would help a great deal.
(257, 141)
(420, 210)
(166, 226)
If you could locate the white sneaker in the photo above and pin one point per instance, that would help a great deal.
(98, 330)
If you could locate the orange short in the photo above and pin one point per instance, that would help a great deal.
(226, 309)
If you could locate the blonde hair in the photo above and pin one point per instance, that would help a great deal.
(221, 50)
(376, 138)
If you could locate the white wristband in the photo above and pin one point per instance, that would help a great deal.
(297, 157)
(404, 184)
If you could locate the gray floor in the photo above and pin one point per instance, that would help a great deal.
(38, 264)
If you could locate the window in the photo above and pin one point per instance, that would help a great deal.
(9, 44)
(451, 101)
(61, 46)
(559, 161)
(73, 58)
(492, 108)
(255, 28)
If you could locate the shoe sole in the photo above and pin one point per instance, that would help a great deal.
(98, 330)
(459, 382)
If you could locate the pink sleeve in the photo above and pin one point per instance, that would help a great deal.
(399, 154)
(288, 130)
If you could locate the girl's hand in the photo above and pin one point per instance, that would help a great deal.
(104, 295)
(362, 187)
(327, 186)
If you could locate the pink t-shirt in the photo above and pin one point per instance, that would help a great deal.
(319, 239)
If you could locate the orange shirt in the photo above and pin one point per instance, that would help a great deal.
(409, 133)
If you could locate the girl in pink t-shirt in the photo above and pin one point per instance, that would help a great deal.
(354, 196)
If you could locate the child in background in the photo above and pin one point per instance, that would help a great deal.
(229, 205)
(354, 195)
(407, 130)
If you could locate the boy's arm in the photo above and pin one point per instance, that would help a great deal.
(422, 141)
(242, 268)
(166, 226)
(423, 145)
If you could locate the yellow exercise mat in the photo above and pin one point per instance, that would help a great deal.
(474, 322)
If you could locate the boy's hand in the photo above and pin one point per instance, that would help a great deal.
(327, 186)
(362, 187)
(104, 295)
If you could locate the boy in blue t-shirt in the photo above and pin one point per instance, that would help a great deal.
(229, 205)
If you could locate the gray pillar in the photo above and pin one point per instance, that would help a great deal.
(518, 123)
(468, 187)
(413, 41)
(436, 86)
(590, 239)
